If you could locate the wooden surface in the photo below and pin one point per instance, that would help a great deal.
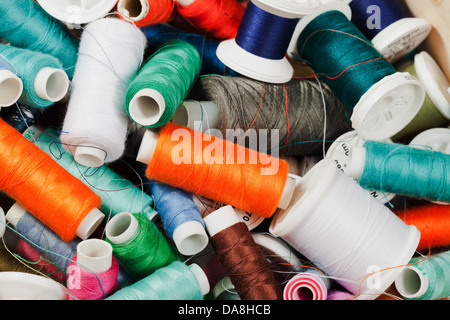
(437, 12)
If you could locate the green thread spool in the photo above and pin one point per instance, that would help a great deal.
(163, 83)
(139, 245)
(380, 100)
(117, 193)
(426, 279)
(435, 111)
(176, 281)
(43, 77)
(26, 25)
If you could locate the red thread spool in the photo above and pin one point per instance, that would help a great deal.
(218, 19)
(217, 169)
(145, 12)
(45, 189)
(433, 222)
(244, 262)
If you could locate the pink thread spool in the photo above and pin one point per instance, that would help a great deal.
(93, 272)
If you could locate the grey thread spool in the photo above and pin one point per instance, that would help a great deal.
(239, 99)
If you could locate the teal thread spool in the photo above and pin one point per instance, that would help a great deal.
(176, 281)
(139, 245)
(426, 279)
(43, 77)
(163, 83)
(118, 194)
(380, 100)
(402, 170)
(28, 26)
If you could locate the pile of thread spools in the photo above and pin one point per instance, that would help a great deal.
(222, 150)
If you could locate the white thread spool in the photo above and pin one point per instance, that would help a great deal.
(11, 88)
(389, 105)
(96, 124)
(77, 11)
(340, 152)
(339, 227)
(260, 68)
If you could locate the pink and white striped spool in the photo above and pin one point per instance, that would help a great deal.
(306, 286)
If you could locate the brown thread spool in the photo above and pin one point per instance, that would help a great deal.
(241, 257)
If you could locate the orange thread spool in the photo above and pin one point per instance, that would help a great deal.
(218, 19)
(44, 188)
(217, 169)
(145, 12)
(433, 222)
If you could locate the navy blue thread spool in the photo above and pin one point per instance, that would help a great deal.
(259, 49)
(388, 25)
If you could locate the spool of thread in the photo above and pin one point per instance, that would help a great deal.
(162, 84)
(77, 12)
(433, 222)
(220, 178)
(11, 86)
(45, 189)
(403, 170)
(93, 272)
(295, 110)
(389, 26)
(11, 263)
(341, 152)
(435, 111)
(30, 27)
(144, 12)
(138, 245)
(2, 223)
(117, 193)
(310, 284)
(244, 263)
(44, 80)
(437, 139)
(258, 51)
(111, 49)
(217, 19)
(21, 117)
(162, 33)
(340, 295)
(425, 279)
(181, 218)
(363, 79)
(176, 281)
(327, 204)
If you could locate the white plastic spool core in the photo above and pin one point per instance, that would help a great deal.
(412, 283)
(315, 185)
(259, 68)
(85, 229)
(135, 10)
(91, 157)
(147, 107)
(77, 11)
(220, 220)
(190, 238)
(434, 80)
(94, 255)
(121, 227)
(201, 277)
(401, 37)
(197, 115)
(2, 222)
(51, 84)
(341, 153)
(27, 286)
(148, 146)
(437, 139)
(11, 88)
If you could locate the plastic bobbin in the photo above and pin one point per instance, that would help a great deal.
(51, 84)
(197, 115)
(147, 107)
(77, 11)
(190, 238)
(11, 88)
(326, 5)
(91, 157)
(94, 255)
(437, 139)
(2, 222)
(135, 10)
(401, 37)
(121, 227)
(259, 68)
(201, 277)
(434, 80)
(341, 152)
(412, 283)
